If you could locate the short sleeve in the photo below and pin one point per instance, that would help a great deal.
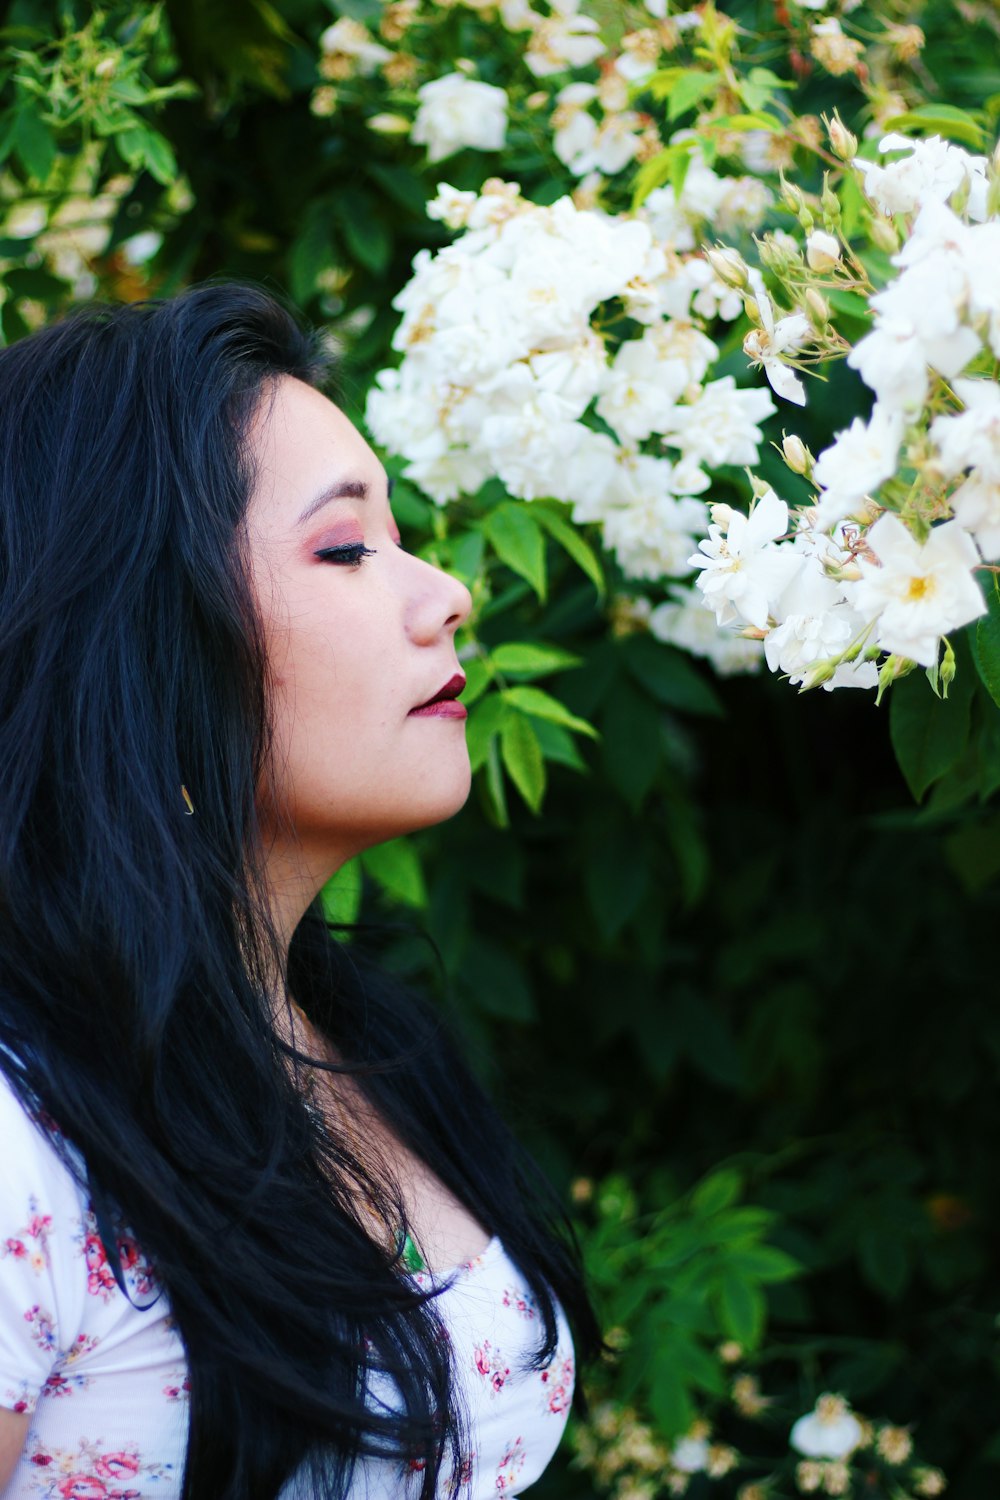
(42, 1290)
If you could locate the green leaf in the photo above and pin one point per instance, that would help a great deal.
(669, 165)
(402, 185)
(985, 643)
(494, 783)
(940, 119)
(742, 1310)
(522, 759)
(158, 157)
(616, 876)
(496, 982)
(669, 1401)
(368, 240)
(668, 676)
(478, 677)
(755, 121)
(395, 866)
(690, 89)
(313, 249)
(466, 554)
(631, 741)
(485, 720)
(850, 304)
(765, 1263)
(758, 88)
(557, 745)
(341, 896)
(531, 659)
(884, 1260)
(717, 1191)
(34, 144)
(518, 541)
(531, 700)
(929, 734)
(572, 542)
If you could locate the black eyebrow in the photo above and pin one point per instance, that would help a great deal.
(341, 489)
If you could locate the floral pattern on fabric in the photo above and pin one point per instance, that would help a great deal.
(103, 1378)
(557, 1381)
(90, 1472)
(30, 1242)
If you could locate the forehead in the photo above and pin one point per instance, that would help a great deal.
(302, 443)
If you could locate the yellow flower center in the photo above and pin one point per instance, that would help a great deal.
(918, 588)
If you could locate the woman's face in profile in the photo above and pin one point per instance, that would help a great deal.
(360, 637)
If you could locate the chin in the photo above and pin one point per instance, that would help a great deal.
(439, 808)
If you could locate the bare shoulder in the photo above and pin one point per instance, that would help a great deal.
(13, 1431)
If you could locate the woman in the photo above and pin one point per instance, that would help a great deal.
(260, 1232)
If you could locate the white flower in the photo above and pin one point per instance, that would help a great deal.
(577, 372)
(690, 1455)
(565, 40)
(349, 38)
(861, 458)
(653, 539)
(802, 641)
(685, 622)
(742, 568)
(890, 361)
(742, 204)
(528, 449)
(720, 426)
(765, 345)
(457, 112)
(970, 439)
(934, 169)
(451, 205)
(822, 250)
(920, 591)
(831, 1430)
(650, 374)
(976, 505)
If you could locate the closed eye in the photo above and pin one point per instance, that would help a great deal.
(349, 553)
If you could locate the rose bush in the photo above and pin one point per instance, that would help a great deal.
(582, 263)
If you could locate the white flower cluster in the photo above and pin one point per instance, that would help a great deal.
(907, 504)
(506, 372)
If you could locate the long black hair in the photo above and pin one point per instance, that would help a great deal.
(136, 941)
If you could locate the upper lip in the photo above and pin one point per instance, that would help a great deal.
(451, 689)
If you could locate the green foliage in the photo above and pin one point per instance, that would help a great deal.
(705, 945)
(696, 1272)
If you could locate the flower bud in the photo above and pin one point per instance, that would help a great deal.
(791, 196)
(729, 266)
(817, 308)
(818, 673)
(797, 455)
(946, 670)
(323, 102)
(388, 124)
(892, 668)
(883, 235)
(822, 251)
(107, 67)
(721, 515)
(844, 144)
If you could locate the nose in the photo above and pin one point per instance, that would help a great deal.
(439, 602)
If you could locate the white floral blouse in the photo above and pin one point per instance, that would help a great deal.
(104, 1378)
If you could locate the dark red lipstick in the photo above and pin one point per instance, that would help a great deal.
(443, 705)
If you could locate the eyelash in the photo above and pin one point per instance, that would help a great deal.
(350, 554)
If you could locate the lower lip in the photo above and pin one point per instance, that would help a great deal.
(448, 708)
